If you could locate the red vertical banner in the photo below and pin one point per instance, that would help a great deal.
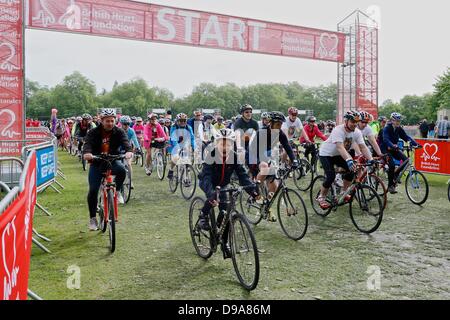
(11, 77)
(16, 231)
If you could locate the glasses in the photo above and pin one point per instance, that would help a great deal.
(181, 120)
(248, 112)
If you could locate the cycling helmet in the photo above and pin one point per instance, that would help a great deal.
(382, 118)
(79, 118)
(182, 116)
(126, 120)
(277, 116)
(108, 112)
(265, 115)
(365, 116)
(224, 134)
(396, 116)
(245, 107)
(312, 119)
(220, 118)
(293, 111)
(208, 117)
(138, 119)
(353, 115)
(133, 118)
(152, 115)
(86, 116)
(161, 121)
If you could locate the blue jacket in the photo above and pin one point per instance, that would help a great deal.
(133, 138)
(392, 135)
(179, 136)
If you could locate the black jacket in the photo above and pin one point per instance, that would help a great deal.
(219, 175)
(262, 144)
(118, 142)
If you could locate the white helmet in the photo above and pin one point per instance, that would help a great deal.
(224, 134)
(108, 112)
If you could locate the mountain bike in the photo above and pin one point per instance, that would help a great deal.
(365, 205)
(184, 175)
(108, 208)
(291, 209)
(231, 228)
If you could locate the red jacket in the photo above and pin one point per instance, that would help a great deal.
(312, 133)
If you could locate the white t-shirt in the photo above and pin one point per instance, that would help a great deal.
(366, 132)
(292, 129)
(339, 134)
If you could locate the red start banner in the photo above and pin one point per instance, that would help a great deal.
(16, 231)
(11, 76)
(148, 22)
(433, 157)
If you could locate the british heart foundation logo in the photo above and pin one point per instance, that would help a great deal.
(430, 151)
(9, 259)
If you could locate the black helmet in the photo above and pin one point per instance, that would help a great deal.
(353, 115)
(208, 117)
(277, 116)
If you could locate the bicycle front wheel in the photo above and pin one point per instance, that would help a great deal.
(160, 166)
(201, 239)
(250, 208)
(377, 183)
(173, 183)
(303, 175)
(244, 252)
(188, 182)
(366, 209)
(292, 214)
(126, 189)
(111, 222)
(417, 189)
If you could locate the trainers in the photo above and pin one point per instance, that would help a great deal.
(203, 222)
(226, 250)
(271, 217)
(323, 203)
(120, 198)
(392, 190)
(93, 225)
(148, 171)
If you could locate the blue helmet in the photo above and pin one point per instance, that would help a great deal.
(396, 116)
(125, 120)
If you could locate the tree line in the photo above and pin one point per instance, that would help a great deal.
(77, 94)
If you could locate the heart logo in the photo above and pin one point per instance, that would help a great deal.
(45, 15)
(9, 255)
(7, 131)
(430, 151)
(7, 65)
(328, 45)
(72, 18)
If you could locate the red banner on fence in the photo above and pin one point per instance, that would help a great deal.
(11, 76)
(140, 21)
(16, 228)
(434, 157)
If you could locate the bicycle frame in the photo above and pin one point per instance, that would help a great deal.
(107, 185)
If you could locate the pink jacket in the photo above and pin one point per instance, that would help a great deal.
(148, 128)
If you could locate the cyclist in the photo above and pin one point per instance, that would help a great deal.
(267, 139)
(293, 129)
(219, 125)
(330, 125)
(181, 138)
(126, 123)
(265, 121)
(245, 127)
(82, 128)
(154, 138)
(335, 151)
(391, 135)
(368, 134)
(217, 172)
(312, 131)
(139, 130)
(107, 138)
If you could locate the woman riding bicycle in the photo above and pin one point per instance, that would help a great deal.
(154, 138)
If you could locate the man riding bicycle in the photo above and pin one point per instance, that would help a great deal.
(107, 138)
(220, 165)
(181, 138)
(392, 133)
(261, 149)
(126, 123)
(335, 152)
(293, 129)
(368, 134)
(312, 131)
(82, 128)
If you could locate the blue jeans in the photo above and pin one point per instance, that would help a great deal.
(96, 173)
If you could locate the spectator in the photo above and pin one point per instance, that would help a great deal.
(431, 131)
(443, 128)
(424, 128)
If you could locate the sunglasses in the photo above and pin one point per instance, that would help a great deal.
(248, 112)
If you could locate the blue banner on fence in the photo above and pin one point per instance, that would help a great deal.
(46, 165)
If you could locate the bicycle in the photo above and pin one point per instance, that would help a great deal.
(291, 208)
(184, 175)
(80, 155)
(139, 158)
(108, 208)
(303, 174)
(415, 180)
(234, 226)
(126, 190)
(369, 205)
(370, 178)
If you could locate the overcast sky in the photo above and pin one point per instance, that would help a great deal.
(414, 49)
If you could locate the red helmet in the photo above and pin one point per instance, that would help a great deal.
(293, 111)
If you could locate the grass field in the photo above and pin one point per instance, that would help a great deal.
(155, 258)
